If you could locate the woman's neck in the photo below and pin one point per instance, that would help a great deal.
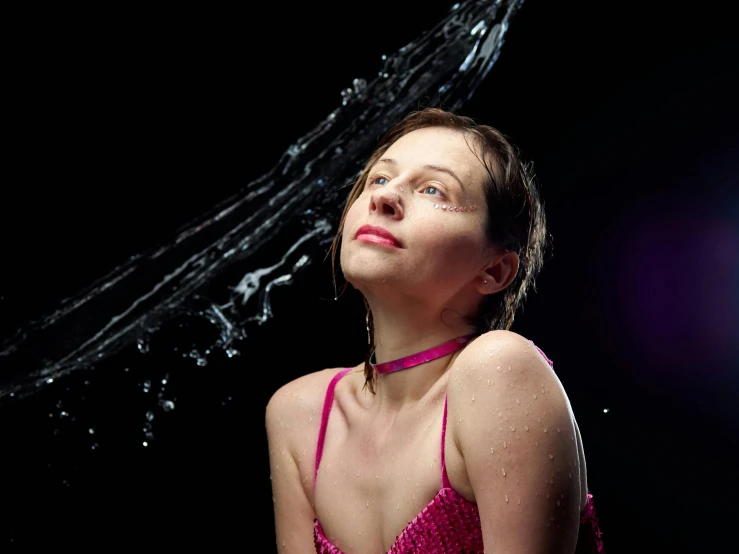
(402, 333)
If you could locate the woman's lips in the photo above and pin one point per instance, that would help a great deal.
(374, 239)
(377, 235)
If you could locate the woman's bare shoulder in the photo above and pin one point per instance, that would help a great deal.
(510, 397)
(300, 401)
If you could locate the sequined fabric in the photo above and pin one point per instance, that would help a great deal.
(590, 538)
(449, 523)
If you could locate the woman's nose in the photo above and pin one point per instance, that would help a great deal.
(387, 201)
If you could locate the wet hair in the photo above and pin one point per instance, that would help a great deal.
(515, 214)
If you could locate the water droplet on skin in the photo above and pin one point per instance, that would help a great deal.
(506, 498)
(605, 410)
(488, 382)
(149, 415)
(368, 504)
(91, 431)
(473, 397)
(526, 427)
(557, 429)
(145, 443)
(551, 456)
(499, 369)
(513, 428)
(505, 445)
(518, 401)
(519, 501)
(537, 443)
(503, 470)
(534, 397)
(545, 429)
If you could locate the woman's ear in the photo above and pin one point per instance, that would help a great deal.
(497, 275)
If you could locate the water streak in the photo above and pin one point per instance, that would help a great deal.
(297, 202)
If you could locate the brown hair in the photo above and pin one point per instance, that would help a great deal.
(515, 214)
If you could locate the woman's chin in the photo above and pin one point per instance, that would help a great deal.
(370, 281)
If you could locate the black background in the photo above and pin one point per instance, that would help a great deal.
(127, 124)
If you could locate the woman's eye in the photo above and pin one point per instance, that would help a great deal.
(380, 180)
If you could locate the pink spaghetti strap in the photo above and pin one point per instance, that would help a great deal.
(551, 364)
(329, 400)
(444, 477)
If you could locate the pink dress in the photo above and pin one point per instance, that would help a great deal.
(450, 522)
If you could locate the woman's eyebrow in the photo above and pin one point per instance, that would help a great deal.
(430, 167)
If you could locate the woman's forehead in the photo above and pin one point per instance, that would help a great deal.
(439, 146)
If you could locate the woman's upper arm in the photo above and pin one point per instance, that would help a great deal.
(512, 423)
(294, 514)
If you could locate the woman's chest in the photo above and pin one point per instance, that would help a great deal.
(371, 484)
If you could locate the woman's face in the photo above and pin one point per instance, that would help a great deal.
(438, 252)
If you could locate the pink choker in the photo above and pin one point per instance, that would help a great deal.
(421, 357)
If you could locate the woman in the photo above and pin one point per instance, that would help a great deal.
(455, 433)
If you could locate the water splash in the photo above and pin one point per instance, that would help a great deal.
(297, 202)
